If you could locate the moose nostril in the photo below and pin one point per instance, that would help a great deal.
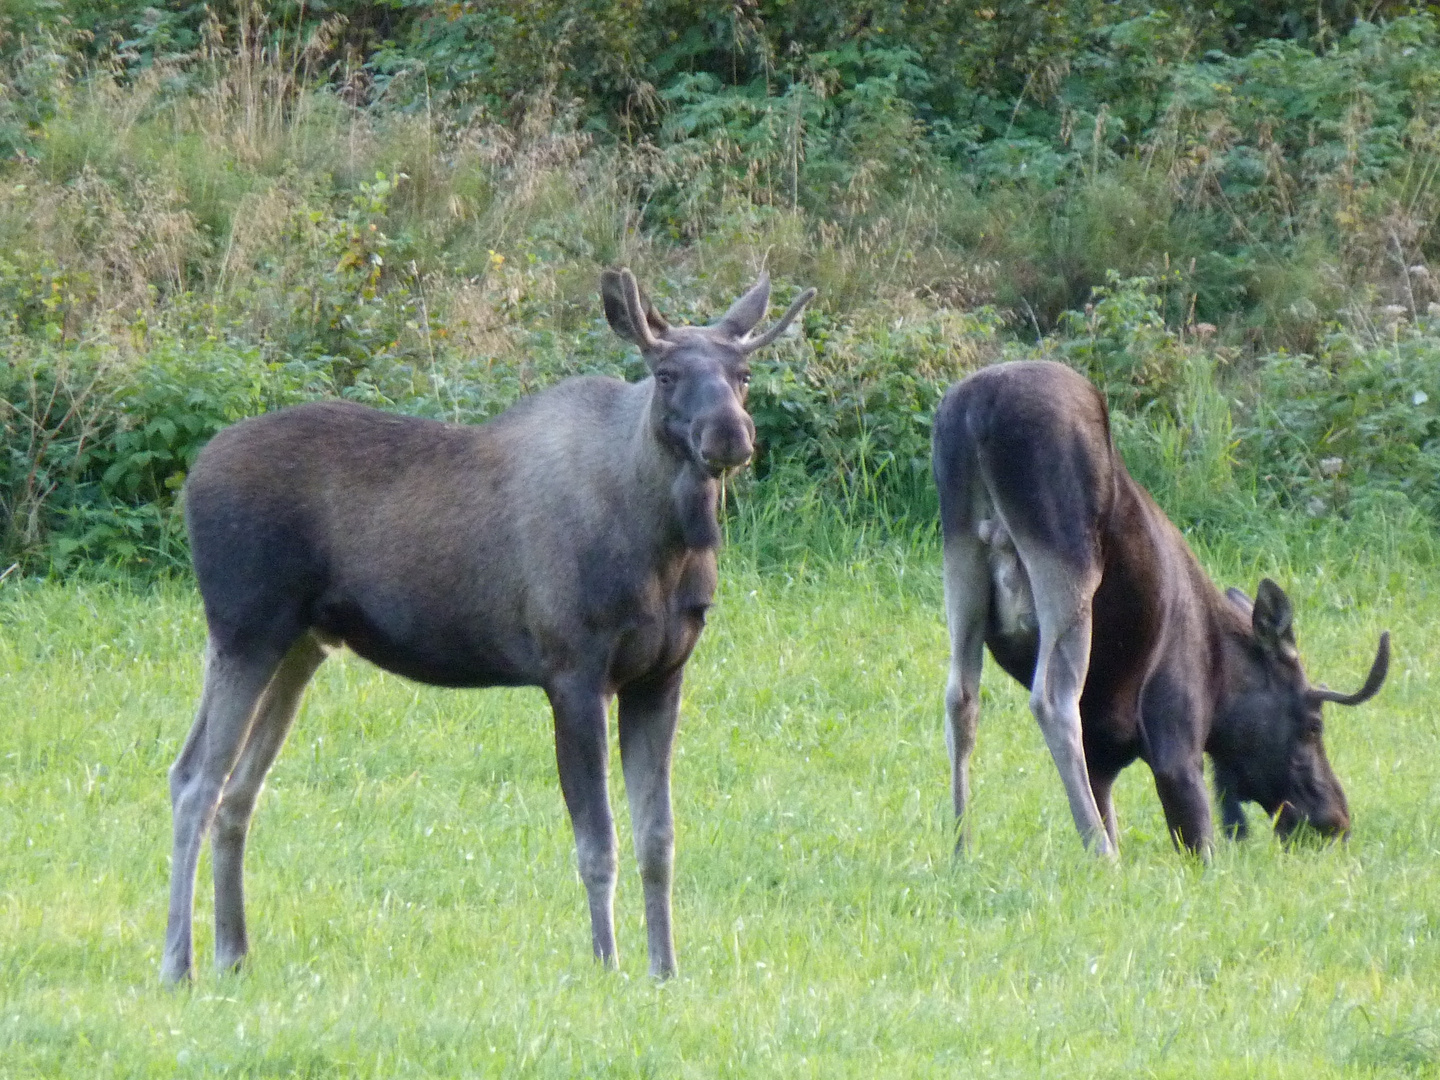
(725, 449)
(727, 460)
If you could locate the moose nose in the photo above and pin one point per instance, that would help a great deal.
(1332, 817)
(727, 445)
(1334, 824)
(1329, 822)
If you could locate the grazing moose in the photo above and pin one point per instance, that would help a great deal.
(567, 544)
(1060, 563)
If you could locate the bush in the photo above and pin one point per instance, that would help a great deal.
(1353, 424)
(99, 446)
(211, 211)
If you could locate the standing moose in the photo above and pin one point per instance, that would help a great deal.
(1060, 563)
(567, 544)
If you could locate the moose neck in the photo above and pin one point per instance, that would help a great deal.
(695, 498)
(1233, 665)
(1201, 628)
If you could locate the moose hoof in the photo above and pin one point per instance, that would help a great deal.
(233, 965)
(175, 975)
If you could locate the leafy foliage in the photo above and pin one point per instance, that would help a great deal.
(1359, 421)
(1224, 215)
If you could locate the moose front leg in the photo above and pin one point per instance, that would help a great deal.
(581, 752)
(1180, 782)
(1232, 813)
(1169, 717)
(648, 718)
(1187, 808)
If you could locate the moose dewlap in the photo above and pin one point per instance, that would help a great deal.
(1060, 564)
(567, 544)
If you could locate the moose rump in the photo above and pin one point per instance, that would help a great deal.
(1024, 502)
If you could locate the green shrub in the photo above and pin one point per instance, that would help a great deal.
(208, 211)
(98, 447)
(1353, 424)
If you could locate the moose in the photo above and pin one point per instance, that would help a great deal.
(568, 543)
(1085, 592)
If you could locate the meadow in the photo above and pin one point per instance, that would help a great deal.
(1223, 214)
(415, 909)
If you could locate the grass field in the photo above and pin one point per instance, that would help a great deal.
(415, 909)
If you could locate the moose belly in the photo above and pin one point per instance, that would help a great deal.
(455, 653)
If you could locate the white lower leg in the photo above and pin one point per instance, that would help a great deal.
(598, 872)
(1061, 728)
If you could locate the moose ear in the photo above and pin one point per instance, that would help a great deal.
(658, 323)
(1240, 600)
(1272, 615)
(747, 311)
(617, 314)
(615, 294)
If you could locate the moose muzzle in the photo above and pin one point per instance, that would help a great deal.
(723, 439)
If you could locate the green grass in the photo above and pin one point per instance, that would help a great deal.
(415, 909)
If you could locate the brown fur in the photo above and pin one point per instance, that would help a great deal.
(1127, 647)
(568, 544)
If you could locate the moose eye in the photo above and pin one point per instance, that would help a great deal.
(743, 377)
(666, 379)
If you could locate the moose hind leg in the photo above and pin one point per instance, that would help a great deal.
(273, 717)
(1062, 602)
(233, 686)
(967, 599)
(581, 752)
(648, 718)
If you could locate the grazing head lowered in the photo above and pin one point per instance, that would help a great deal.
(569, 544)
(1269, 745)
(1060, 564)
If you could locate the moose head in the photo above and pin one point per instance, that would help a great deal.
(1269, 734)
(701, 373)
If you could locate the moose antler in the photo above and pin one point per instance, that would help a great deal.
(1373, 681)
(751, 344)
